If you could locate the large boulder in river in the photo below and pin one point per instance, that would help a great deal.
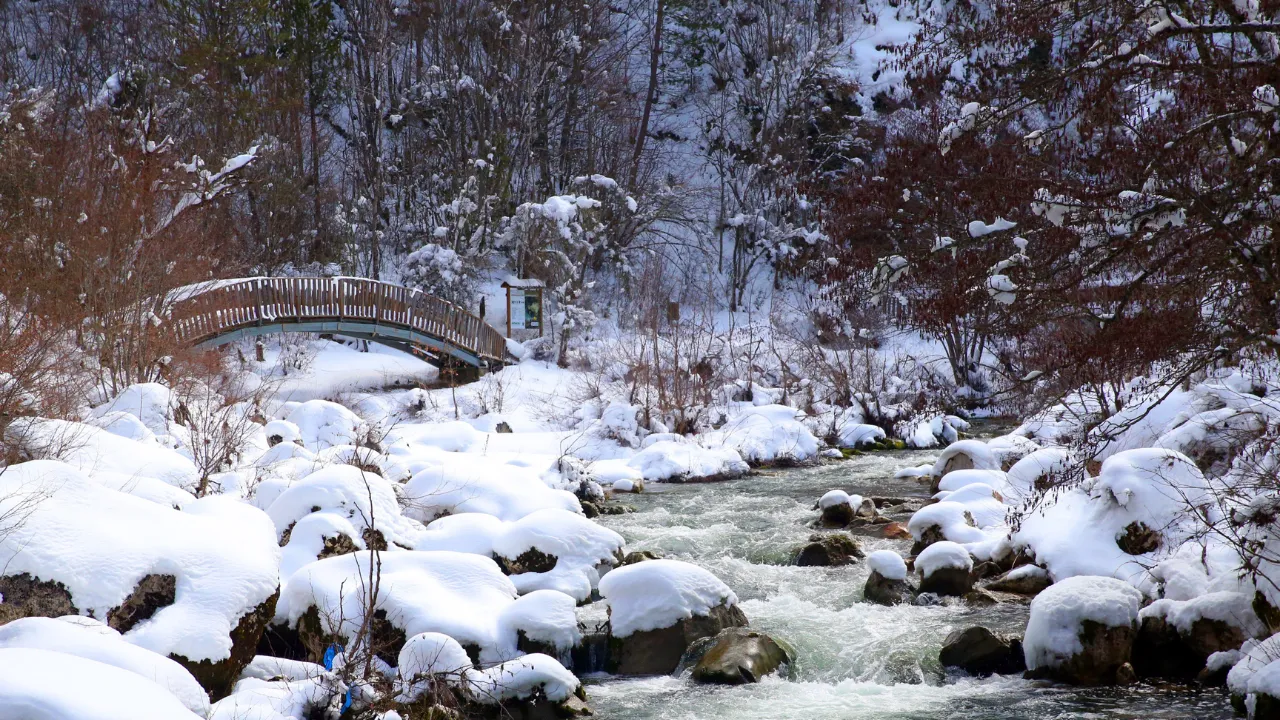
(887, 584)
(1082, 631)
(735, 657)
(945, 569)
(829, 549)
(978, 651)
(657, 609)
(1176, 638)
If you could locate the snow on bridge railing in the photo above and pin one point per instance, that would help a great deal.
(204, 311)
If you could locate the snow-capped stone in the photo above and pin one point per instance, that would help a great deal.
(1082, 630)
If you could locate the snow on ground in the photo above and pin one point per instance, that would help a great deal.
(89, 639)
(330, 369)
(119, 461)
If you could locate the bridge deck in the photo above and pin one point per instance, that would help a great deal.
(354, 306)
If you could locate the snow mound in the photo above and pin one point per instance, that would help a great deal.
(430, 653)
(34, 685)
(933, 431)
(322, 424)
(1257, 655)
(984, 504)
(853, 435)
(473, 533)
(520, 678)
(89, 639)
(764, 433)
(659, 593)
(957, 479)
(888, 564)
(98, 453)
(578, 544)
(283, 431)
(99, 543)
(452, 483)
(427, 657)
(1059, 612)
(942, 555)
(1035, 467)
(1079, 533)
(123, 424)
(544, 616)
(151, 403)
(918, 471)
(299, 693)
(337, 500)
(680, 460)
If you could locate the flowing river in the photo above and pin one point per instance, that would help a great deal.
(854, 660)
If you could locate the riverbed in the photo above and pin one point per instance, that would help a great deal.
(855, 660)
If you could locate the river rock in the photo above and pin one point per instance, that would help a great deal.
(736, 656)
(945, 569)
(1025, 580)
(978, 651)
(828, 549)
(658, 652)
(637, 556)
(839, 509)
(887, 584)
(1082, 631)
(1176, 638)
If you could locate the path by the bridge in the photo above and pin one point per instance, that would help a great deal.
(220, 312)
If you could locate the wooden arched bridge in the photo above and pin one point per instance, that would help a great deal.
(219, 312)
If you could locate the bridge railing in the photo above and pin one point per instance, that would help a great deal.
(205, 313)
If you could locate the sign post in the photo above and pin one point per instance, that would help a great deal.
(524, 305)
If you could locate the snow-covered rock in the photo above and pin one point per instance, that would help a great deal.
(944, 569)
(1137, 512)
(521, 678)
(322, 424)
(338, 500)
(680, 461)
(1176, 637)
(1255, 679)
(100, 454)
(1082, 630)
(764, 433)
(965, 455)
(100, 544)
(657, 608)
(461, 595)
(573, 544)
